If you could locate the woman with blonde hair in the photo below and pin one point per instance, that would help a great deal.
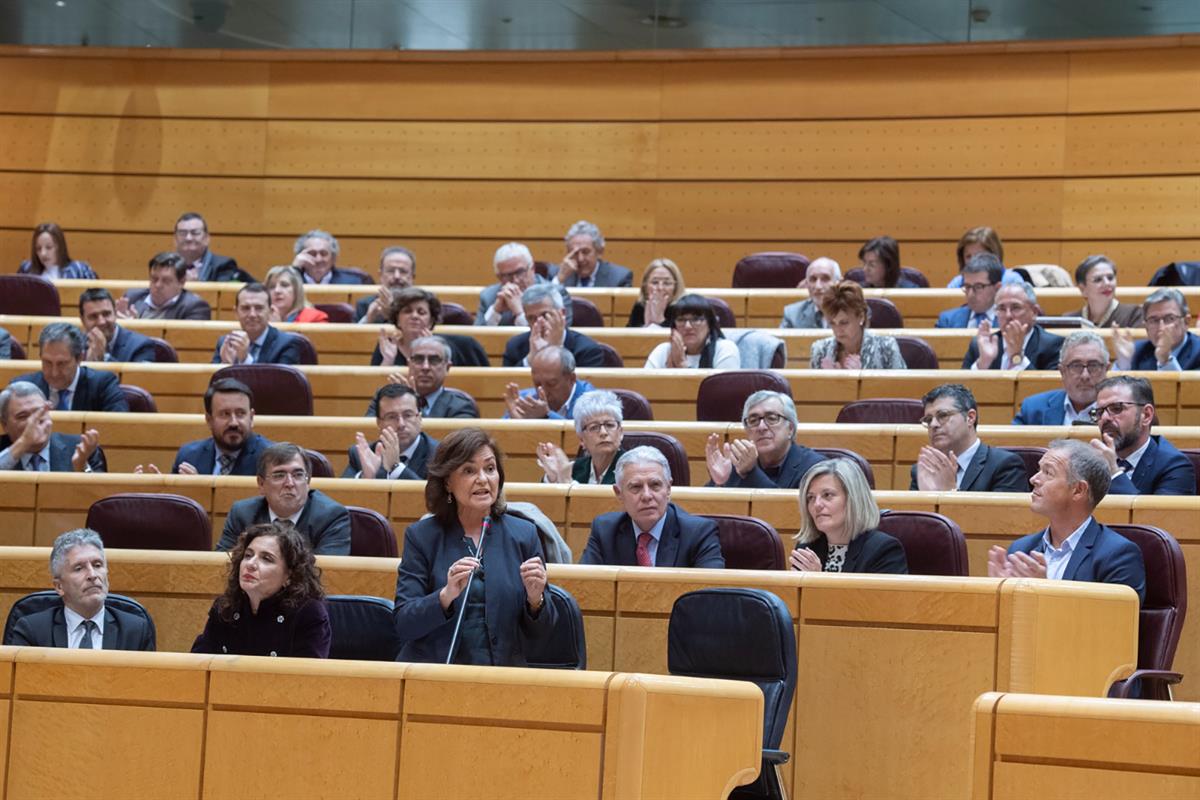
(662, 285)
(288, 304)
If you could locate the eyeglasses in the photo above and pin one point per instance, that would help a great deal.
(1076, 368)
(690, 321)
(432, 361)
(662, 283)
(407, 416)
(971, 288)
(505, 277)
(280, 476)
(940, 418)
(196, 234)
(1015, 308)
(1166, 320)
(1112, 409)
(608, 426)
(771, 418)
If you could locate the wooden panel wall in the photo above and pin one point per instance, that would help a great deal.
(1065, 149)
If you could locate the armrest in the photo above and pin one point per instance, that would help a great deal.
(775, 756)
(1125, 687)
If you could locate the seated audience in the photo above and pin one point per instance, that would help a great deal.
(234, 448)
(500, 303)
(283, 474)
(880, 259)
(1019, 342)
(1170, 345)
(256, 341)
(273, 604)
(651, 531)
(429, 359)
(662, 285)
(548, 327)
(64, 380)
(469, 527)
(106, 340)
(555, 388)
(1083, 364)
(397, 270)
(839, 524)
(29, 442)
(819, 276)
(973, 243)
(402, 450)
(316, 258)
(82, 621)
(191, 243)
(770, 457)
(696, 339)
(598, 417)
(852, 346)
(955, 459)
(980, 282)
(583, 265)
(49, 259)
(285, 288)
(1096, 277)
(1070, 483)
(1138, 463)
(166, 298)
(413, 314)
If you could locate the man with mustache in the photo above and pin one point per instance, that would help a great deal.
(234, 447)
(1138, 462)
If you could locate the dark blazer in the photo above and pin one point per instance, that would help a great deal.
(607, 274)
(414, 470)
(324, 521)
(95, 390)
(341, 276)
(429, 550)
(687, 541)
(215, 267)
(277, 348)
(130, 346)
(991, 470)
(1189, 356)
(488, 297)
(799, 460)
(870, 551)
(1041, 350)
(586, 353)
(62, 447)
(48, 628)
(465, 351)
(958, 318)
(189, 306)
(452, 404)
(1102, 556)
(1162, 469)
(274, 631)
(1043, 408)
(202, 455)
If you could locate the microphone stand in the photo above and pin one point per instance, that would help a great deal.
(462, 608)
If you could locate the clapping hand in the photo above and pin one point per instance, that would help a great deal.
(804, 560)
(936, 471)
(720, 465)
(387, 345)
(1014, 341)
(88, 443)
(1122, 341)
(677, 355)
(236, 345)
(988, 346)
(554, 463)
(97, 345)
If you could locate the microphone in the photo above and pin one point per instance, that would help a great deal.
(462, 608)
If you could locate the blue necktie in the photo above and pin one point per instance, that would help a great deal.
(1124, 465)
(64, 400)
(35, 462)
(86, 642)
(254, 348)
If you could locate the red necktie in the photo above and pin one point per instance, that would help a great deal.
(643, 550)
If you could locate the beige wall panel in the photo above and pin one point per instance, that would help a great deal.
(1134, 80)
(1018, 781)
(1133, 144)
(1131, 207)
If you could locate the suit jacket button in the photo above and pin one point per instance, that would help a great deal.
(224, 649)
(236, 615)
(273, 653)
(279, 618)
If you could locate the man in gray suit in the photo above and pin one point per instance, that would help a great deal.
(818, 277)
(500, 303)
(584, 265)
(283, 473)
(166, 298)
(29, 442)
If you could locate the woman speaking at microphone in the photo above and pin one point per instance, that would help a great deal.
(469, 536)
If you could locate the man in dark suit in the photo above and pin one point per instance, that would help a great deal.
(316, 258)
(257, 342)
(1071, 481)
(1170, 346)
(1083, 364)
(402, 450)
(770, 457)
(651, 531)
(583, 265)
(1020, 343)
(29, 442)
(955, 459)
(500, 303)
(234, 447)
(283, 474)
(166, 298)
(548, 326)
(397, 270)
(191, 242)
(68, 384)
(81, 621)
(429, 361)
(1138, 462)
(106, 340)
(981, 277)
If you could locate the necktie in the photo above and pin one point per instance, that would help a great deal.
(86, 642)
(226, 462)
(1124, 465)
(254, 348)
(423, 406)
(64, 400)
(35, 462)
(643, 550)
(977, 319)
(585, 283)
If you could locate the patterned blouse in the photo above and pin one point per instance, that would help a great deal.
(836, 558)
(878, 352)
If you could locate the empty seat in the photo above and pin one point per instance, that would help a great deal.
(371, 534)
(163, 352)
(770, 270)
(721, 395)
(612, 359)
(321, 468)
(669, 446)
(151, 522)
(454, 314)
(841, 452)
(28, 295)
(633, 405)
(917, 353)
(361, 628)
(724, 313)
(566, 646)
(883, 411)
(585, 314)
(48, 598)
(883, 313)
(1030, 456)
(749, 542)
(933, 543)
(139, 400)
(337, 312)
(278, 388)
(308, 353)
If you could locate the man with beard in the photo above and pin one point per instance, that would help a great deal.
(1083, 364)
(1138, 462)
(234, 448)
(769, 458)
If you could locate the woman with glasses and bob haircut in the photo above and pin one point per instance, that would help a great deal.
(696, 339)
(839, 524)
(598, 418)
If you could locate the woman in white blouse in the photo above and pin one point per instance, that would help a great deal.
(696, 341)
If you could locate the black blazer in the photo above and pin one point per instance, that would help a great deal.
(48, 628)
(586, 353)
(222, 268)
(429, 550)
(62, 447)
(303, 632)
(414, 470)
(94, 391)
(130, 346)
(1189, 356)
(324, 521)
(1041, 350)
(687, 541)
(992, 469)
(870, 551)
(277, 348)
(202, 455)
(189, 306)
(1162, 469)
(799, 460)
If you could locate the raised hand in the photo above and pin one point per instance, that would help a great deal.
(554, 463)
(720, 465)
(533, 575)
(88, 443)
(456, 579)
(369, 461)
(988, 346)
(804, 560)
(97, 345)
(743, 454)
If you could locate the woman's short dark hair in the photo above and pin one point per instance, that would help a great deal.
(888, 250)
(455, 450)
(404, 298)
(60, 243)
(303, 579)
(694, 304)
(845, 296)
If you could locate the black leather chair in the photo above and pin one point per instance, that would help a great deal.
(371, 534)
(28, 295)
(321, 468)
(454, 314)
(749, 542)
(722, 394)
(278, 388)
(337, 312)
(584, 314)
(841, 452)
(669, 446)
(933, 544)
(362, 628)
(566, 646)
(740, 634)
(883, 313)
(48, 598)
(1030, 456)
(151, 521)
(138, 399)
(612, 359)
(770, 270)
(633, 405)
(163, 352)
(917, 353)
(883, 411)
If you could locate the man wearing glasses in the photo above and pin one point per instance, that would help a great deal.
(191, 243)
(402, 450)
(769, 458)
(955, 459)
(430, 358)
(1018, 342)
(1170, 346)
(500, 303)
(1138, 462)
(981, 277)
(283, 473)
(548, 327)
(1083, 364)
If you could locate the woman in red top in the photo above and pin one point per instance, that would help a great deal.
(286, 289)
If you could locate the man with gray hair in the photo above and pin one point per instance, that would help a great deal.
(770, 457)
(583, 265)
(548, 326)
(1083, 363)
(316, 258)
(67, 384)
(651, 531)
(397, 270)
(1170, 346)
(82, 621)
(818, 277)
(1020, 343)
(500, 303)
(1071, 481)
(980, 278)
(555, 387)
(29, 442)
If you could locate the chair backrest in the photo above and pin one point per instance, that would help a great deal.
(1160, 622)
(278, 388)
(933, 544)
(163, 352)
(633, 405)
(16, 350)
(543, 268)
(1193, 455)
(363, 276)
(883, 411)
(454, 314)
(138, 399)
(724, 313)
(770, 270)
(669, 446)
(1030, 456)
(151, 522)
(337, 312)
(585, 314)
(884, 313)
(841, 452)
(565, 647)
(722, 394)
(371, 534)
(739, 634)
(912, 273)
(321, 468)
(917, 353)
(308, 353)
(48, 598)
(611, 357)
(362, 628)
(749, 542)
(28, 295)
